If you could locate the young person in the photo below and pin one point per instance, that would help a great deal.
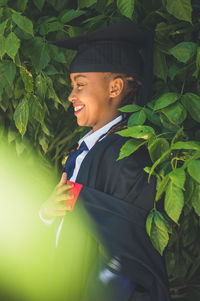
(105, 75)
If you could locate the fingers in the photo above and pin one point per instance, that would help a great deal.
(63, 213)
(63, 179)
(64, 197)
(64, 188)
(63, 207)
(61, 210)
(54, 205)
(57, 209)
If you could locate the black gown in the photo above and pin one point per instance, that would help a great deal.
(116, 197)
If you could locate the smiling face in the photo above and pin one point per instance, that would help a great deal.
(95, 98)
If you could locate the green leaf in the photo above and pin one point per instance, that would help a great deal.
(74, 31)
(194, 170)
(44, 142)
(12, 135)
(160, 160)
(27, 79)
(157, 147)
(23, 23)
(189, 230)
(37, 110)
(51, 70)
(9, 70)
(39, 4)
(3, 27)
(57, 54)
(2, 46)
(137, 118)
(196, 73)
(178, 177)
(19, 88)
(176, 113)
(180, 9)
(54, 26)
(126, 7)
(191, 102)
(3, 2)
(138, 131)
(186, 145)
(21, 115)
(161, 187)
(3, 80)
(184, 51)
(167, 124)
(20, 146)
(157, 228)
(178, 134)
(152, 117)
(164, 30)
(173, 70)
(2, 127)
(102, 5)
(160, 64)
(46, 129)
(41, 86)
(149, 221)
(38, 52)
(1, 12)
(196, 199)
(130, 108)
(12, 44)
(84, 3)
(174, 202)
(129, 147)
(51, 92)
(71, 14)
(189, 188)
(44, 28)
(159, 238)
(21, 4)
(161, 222)
(165, 100)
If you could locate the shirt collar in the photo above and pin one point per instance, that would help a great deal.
(91, 137)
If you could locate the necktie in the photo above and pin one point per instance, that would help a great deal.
(70, 163)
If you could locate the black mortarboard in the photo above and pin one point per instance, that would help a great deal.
(115, 49)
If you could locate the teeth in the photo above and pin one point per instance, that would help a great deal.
(78, 108)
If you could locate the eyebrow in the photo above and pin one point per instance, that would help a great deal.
(79, 75)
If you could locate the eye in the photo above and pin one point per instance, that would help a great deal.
(79, 85)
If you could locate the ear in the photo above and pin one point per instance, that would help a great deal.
(116, 87)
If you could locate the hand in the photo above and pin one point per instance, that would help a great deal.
(55, 205)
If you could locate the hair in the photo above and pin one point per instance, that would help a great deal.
(131, 87)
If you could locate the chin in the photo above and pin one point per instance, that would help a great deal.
(81, 123)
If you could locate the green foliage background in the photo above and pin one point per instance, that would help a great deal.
(34, 86)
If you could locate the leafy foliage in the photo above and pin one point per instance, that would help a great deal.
(34, 87)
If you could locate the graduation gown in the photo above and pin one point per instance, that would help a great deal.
(117, 198)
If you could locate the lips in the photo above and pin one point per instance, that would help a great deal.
(78, 108)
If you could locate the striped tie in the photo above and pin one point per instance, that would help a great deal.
(71, 160)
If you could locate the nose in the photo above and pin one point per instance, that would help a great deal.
(72, 96)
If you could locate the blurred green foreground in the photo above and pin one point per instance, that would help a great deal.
(27, 245)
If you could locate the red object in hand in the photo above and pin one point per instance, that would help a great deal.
(75, 190)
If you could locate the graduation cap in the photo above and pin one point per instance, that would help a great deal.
(115, 49)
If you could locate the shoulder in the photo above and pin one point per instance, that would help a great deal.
(112, 145)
